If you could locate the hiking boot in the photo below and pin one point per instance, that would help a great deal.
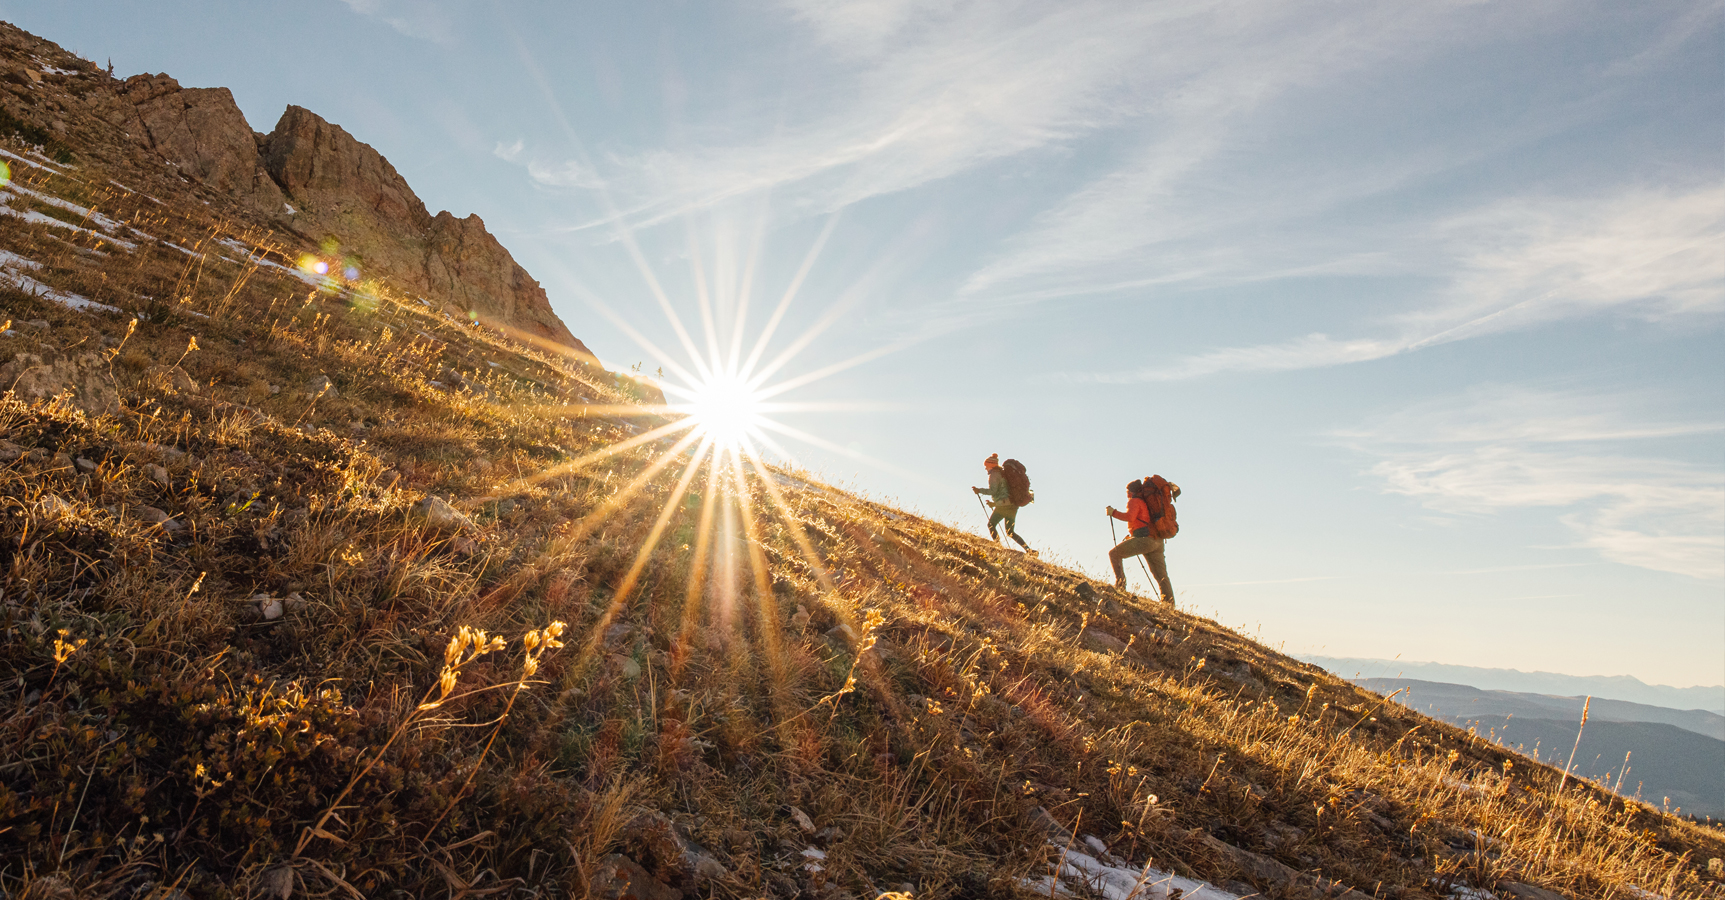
(1031, 553)
(1120, 583)
(1168, 599)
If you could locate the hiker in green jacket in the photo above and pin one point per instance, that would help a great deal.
(1004, 510)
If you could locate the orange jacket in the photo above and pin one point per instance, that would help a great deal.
(1136, 516)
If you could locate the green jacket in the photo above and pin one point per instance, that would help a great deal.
(997, 488)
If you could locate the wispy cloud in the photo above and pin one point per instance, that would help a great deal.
(423, 19)
(1583, 456)
(568, 173)
(912, 93)
(1648, 254)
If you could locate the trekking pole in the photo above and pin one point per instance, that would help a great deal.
(1141, 563)
(984, 506)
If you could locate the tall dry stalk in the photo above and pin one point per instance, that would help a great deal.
(1566, 766)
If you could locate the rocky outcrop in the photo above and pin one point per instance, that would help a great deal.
(346, 190)
(84, 378)
(339, 182)
(202, 132)
(312, 177)
(468, 267)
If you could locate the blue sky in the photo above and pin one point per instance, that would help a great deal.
(1420, 303)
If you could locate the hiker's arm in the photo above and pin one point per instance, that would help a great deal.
(1118, 514)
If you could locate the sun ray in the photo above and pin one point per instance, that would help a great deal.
(759, 434)
(703, 300)
(799, 535)
(766, 605)
(528, 337)
(597, 516)
(697, 574)
(835, 368)
(831, 406)
(560, 545)
(590, 410)
(659, 295)
(790, 294)
(625, 234)
(626, 587)
(745, 293)
(869, 670)
(842, 304)
(610, 450)
(664, 358)
(825, 444)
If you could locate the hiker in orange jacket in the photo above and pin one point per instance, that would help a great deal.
(1141, 539)
(1004, 509)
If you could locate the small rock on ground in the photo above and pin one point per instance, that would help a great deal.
(620, 878)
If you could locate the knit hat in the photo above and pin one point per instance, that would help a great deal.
(992, 462)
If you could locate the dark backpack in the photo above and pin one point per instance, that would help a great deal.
(1158, 494)
(1017, 483)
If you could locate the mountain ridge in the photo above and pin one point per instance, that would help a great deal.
(1710, 698)
(1687, 765)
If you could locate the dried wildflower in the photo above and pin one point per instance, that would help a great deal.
(64, 649)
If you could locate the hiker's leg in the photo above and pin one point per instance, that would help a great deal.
(1159, 568)
(1011, 515)
(994, 520)
(1117, 558)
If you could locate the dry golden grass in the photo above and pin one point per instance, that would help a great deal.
(735, 668)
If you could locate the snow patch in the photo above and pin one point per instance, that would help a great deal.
(39, 161)
(10, 260)
(30, 215)
(257, 257)
(104, 222)
(11, 272)
(45, 162)
(1116, 880)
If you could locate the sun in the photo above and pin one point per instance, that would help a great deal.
(725, 409)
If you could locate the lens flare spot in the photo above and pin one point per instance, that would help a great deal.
(320, 267)
(726, 407)
(350, 273)
(5, 174)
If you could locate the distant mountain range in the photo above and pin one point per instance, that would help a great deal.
(1652, 752)
(1614, 687)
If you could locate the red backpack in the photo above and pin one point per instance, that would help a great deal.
(1017, 483)
(1159, 494)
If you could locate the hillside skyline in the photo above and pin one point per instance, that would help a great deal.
(1444, 388)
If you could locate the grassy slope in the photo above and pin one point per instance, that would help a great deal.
(737, 665)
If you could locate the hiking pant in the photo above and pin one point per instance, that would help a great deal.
(1151, 547)
(1005, 512)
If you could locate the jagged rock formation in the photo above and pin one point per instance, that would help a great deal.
(200, 131)
(309, 177)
